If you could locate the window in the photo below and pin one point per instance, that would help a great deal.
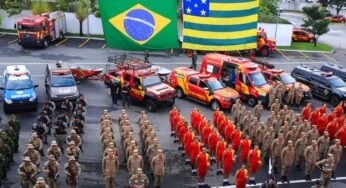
(137, 81)
(315, 78)
(276, 78)
(127, 77)
(266, 75)
(202, 84)
(212, 69)
(193, 81)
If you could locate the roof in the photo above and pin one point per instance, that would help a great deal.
(59, 68)
(17, 70)
(190, 72)
(307, 68)
(335, 67)
(32, 20)
(226, 58)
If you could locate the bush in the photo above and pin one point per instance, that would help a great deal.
(272, 19)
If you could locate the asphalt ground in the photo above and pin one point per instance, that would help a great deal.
(178, 175)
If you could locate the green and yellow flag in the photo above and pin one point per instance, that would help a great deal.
(138, 25)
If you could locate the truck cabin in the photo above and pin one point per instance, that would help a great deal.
(32, 24)
(275, 76)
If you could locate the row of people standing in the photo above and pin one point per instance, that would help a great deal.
(291, 95)
(116, 90)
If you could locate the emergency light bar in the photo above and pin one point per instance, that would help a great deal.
(326, 74)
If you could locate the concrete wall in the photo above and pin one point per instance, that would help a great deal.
(295, 6)
(71, 21)
(283, 32)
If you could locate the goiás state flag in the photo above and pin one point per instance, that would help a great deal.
(139, 25)
(220, 25)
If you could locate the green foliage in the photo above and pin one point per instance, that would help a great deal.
(81, 13)
(65, 5)
(39, 7)
(315, 22)
(13, 7)
(338, 5)
(0, 19)
(272, 19)
(268, 7)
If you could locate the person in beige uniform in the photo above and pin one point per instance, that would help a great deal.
(292, 135)
(235, 110)
(153, 150)
(280, 91)
(287, 159)
(110, 168)
(300, 146)
(304, 127)
(135, 161)
(284, 129)
(158, 167)
(299, 94)
(275, 106)
(72, 170)
(312, 134)
(258, 110)
(326, 167)
(276, 149)
(40, 183)
(336, 151)
(52, 171)
(260, 131)
(33, 155)
(310, 156)
(55, 151)
(267, 141)
(323, 144)
(272, 94)
(290, 95)
(72, 150)
(27, 172)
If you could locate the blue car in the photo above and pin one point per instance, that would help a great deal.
(19, 89)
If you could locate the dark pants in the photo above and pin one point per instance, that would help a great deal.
(126, 100)
(114, 98)
(194, 65)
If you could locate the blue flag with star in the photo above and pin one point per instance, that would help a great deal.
(220, 25)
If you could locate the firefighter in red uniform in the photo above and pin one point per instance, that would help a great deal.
(228, 158)
(198, 120)
(216, 115)
(220, 148)
(195, 148)
(193, 116)
(200, 127)
(223, 125)
(228, 131)
(314, 117)
(172, 115)
(220, 119)
(331, 116)
(212, 141)
(207, 130)
(236, 137)
(241, 177)
(245, 146)
(322, 123)
(188, 139)
(203, 164)
(181, 134)
(255, 163)
(339, 110)
(323, 108)
(341, 134)
(306, 111)
(179, 123)
(332, 127)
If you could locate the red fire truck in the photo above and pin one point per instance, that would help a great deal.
(265, 45)
(41, 30)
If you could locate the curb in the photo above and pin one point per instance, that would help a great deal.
(308, 51)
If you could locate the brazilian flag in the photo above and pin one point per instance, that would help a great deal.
(138, 25)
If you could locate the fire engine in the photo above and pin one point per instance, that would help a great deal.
(265, 45)
(41, 30)
(143, 78)
(239, 73)
(19, 89)
(275, 76)
(202, 88)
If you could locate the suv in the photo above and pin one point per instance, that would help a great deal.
(323, 84)
(144, 79)
(336, 69)
(60, 83)
(19, 90)
(300, 35)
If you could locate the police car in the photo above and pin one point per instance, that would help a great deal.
(19, 89)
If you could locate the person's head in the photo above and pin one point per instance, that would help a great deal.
(280, 136)
(337, 142)
(259, 102)
(204, 150)
(30, 147)
(285, 107)
(51, 158)
(330, 157)
(139, 172)
(256, 147)
(72, 159)
(294, 128)
(54, 144)
(27, 161)
(271, 129)
(314, 143)
(160, 152)
(135, 152)
(326, 134)
(290, 143)
(72, 144)
(40, 182)
(276, 100)
(303, 135)
(314, 126)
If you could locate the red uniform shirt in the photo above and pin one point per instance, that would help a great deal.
(220, 148)
(342, 136)
(315, 115)
(332, 129)
(245, 149)
(254, 160)
(201, 126)
(339, 111)
(202, 164)
(227, 161)
(216, 115)
(172, 115)
(206, 132)
(214, 137)
(187, 142)
(306, 113)
(236, 139)
(228, 132)
(219, 121)
(241, 178)
(193, 118)
(322, 124)
(195, 148)
(182, 133)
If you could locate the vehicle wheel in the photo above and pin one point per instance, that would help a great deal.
(215, 105)
(151, 105)
(334, 100)
(265, 51)
(251, 101)
(171, 102)
(311, 40)
(180, 92)
(45, 43)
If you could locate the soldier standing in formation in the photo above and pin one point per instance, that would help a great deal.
(326, 166)
(27, 172)
(158, 167)
(110, 168)
(287, 159)
(139, 180)
(51, 169)
(310, 156)
(272, 95)
(258, 110)
(72, 171)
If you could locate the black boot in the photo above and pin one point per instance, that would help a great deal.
(309, 177)
(283, 179)
(306, 177)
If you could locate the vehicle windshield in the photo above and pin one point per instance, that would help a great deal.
(214, 85)
(62, 82)
(151, 81)
(337, 82)
(257, 78)
(28, 28)
(288, 79)
(18, 83)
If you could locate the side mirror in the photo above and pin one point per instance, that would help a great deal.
(36, 85)
(2, 88)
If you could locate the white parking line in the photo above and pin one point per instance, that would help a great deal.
(280, 183)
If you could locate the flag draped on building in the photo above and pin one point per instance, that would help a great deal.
(220, 25)
(139, 24)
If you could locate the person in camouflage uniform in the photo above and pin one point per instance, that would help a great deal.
(9, 142)
(5, 150)
(13, 136)
(27, 172)
(15, 124)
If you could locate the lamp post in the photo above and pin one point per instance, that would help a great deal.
(88, 26)
(277, 20)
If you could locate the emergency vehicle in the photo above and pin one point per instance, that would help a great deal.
(300, 35)
(239, 73)
(146, 84)
(202, 88)
(275, 76)
(265, 45)
(41, 30)
(19, 89)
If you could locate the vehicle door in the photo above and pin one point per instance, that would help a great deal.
(228, 74)
(192, 87)
(295, 35)
(204, 91)
(325, 87)
(244, 84)
(304, 36)
(137, 89)
(316, 85)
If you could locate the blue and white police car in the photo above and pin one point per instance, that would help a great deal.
(19, 89)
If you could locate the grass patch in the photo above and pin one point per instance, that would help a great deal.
(306, 46)
(8, 30)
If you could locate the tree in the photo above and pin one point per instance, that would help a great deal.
(338, 5)
(315, 23)
(13, 7)
(81, 13)
(40, 6)
(65, 5)
(325, 3)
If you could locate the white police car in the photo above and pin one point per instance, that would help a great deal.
(19, 90)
